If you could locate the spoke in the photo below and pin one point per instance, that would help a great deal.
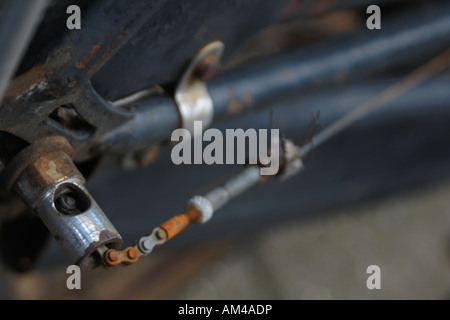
(411, 81)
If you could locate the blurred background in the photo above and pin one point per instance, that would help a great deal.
(376, 194)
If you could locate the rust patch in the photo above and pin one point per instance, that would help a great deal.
(124, 257)
(321, 6)
(291, 6)
(50, 169)
(287, 75)
(315, 8)
(236, 105)
(207, 68)
(31, 79)
(21, 84)
(109, 49)
(176, 224)
(70, 84)
(147, 156)
(81, 64)
(106, 237)
(341, 78)
(233, 105)
(98, 64)
(30, 157)
(247, 98)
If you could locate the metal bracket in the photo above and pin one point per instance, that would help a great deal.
(191, 95)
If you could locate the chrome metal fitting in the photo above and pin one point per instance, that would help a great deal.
(203, 206)
(191, 96)
(44, 175)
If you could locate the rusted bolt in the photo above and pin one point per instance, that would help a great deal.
(207, 68)
(132, 254)
(113, 256)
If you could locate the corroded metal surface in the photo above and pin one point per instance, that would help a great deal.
(45, 177)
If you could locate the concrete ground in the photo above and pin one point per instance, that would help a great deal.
(407, 236)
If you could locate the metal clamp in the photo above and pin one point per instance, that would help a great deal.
(191, 95)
